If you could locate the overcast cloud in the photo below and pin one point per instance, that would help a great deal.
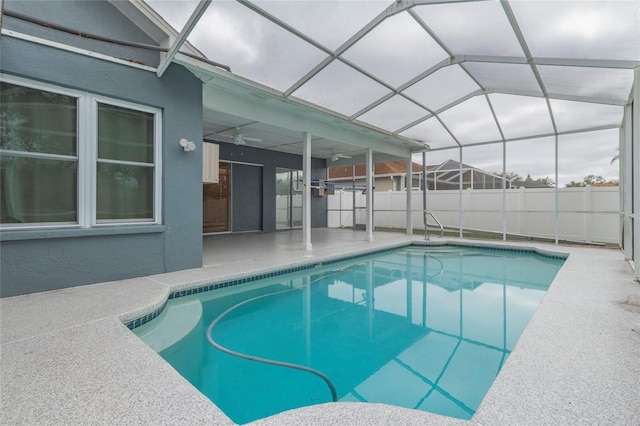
(257, 49)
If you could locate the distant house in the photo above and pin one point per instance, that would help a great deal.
(387, 175)
(392, 175)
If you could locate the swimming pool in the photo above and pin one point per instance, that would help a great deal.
(419, 327)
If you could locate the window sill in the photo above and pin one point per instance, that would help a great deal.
(38, 234)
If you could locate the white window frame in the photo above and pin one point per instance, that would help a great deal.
(87, 158)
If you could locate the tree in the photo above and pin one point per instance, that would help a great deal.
(509, 175)
(616, 157)
(546, 181)
(574, 184)
(590, 180)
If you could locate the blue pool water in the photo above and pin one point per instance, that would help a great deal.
(423, 328)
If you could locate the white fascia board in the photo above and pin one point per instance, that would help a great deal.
(73, 49)
(150, 21)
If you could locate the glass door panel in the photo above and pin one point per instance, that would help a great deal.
(288, 198)
(283, 198)
(296, 198)
(216, 202)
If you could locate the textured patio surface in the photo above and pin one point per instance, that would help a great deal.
(66, 358)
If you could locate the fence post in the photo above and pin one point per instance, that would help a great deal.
(588, 210)
(521, 204)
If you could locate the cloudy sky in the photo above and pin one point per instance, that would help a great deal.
(400, 48)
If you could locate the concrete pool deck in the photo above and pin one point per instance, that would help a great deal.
(66, 357)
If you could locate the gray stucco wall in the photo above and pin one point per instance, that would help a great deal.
(87, 16)
(39, 260)
(270, 160)
(246, 184)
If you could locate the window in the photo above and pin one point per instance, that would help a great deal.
(70, 158)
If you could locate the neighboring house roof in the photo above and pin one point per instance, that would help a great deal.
(604, 184)
(528, 184)
(384, 168)
(455, 165)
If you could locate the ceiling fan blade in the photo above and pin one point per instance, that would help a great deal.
(251, 139)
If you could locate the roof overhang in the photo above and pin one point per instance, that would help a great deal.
(230, 94)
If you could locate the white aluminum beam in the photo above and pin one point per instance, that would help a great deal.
(576, 98)
(182, 37)
(525, 48)
(561, 62)
(536, 136)
(389, 11)
(437, 112)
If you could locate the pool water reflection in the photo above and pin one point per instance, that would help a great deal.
(422, 328)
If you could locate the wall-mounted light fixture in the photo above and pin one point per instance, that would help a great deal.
(187, 145)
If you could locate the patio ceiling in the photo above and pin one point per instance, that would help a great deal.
(404, 76)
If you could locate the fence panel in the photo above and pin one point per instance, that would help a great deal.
(584, 214)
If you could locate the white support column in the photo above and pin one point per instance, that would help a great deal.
(460, 207)
(504, 191)
(369, 194)
(636, 173)
(556, 205)
(425, 182)
(409, 196)
(626, 179)
(306, 191)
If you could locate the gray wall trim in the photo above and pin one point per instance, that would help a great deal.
(42, 234)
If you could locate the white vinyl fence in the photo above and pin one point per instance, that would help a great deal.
(587, 214)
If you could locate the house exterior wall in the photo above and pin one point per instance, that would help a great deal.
(81, 15)
(244, 206)
(39, 260)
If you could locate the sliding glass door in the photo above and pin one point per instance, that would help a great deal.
(288, 198)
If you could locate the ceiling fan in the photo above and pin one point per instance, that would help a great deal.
(239, 138)
(336, 157)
